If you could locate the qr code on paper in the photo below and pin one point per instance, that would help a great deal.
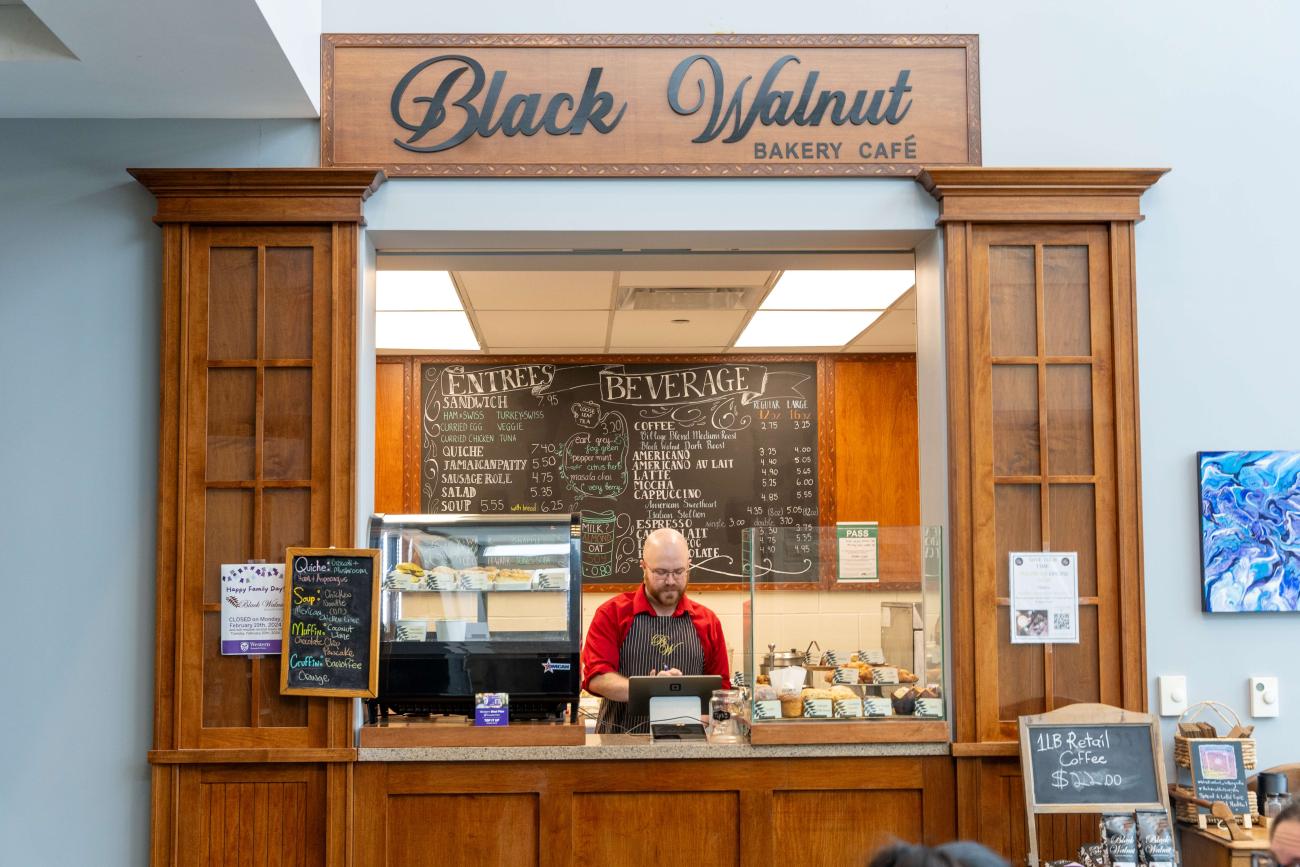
(1061, 621)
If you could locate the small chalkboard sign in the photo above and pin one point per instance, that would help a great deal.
(1090, 758)
(1219, 774)
(330, 641)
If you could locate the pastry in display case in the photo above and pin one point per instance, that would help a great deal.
(478, 604)
(867, 655)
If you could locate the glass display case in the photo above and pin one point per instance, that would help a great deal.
(866, 646)
(478, 603)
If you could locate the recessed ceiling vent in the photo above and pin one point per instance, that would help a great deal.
(685, 298)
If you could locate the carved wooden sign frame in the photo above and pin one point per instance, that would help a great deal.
(649, 105)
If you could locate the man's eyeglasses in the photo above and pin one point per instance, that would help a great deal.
(668, 573)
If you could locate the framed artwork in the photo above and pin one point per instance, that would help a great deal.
(1250, 530)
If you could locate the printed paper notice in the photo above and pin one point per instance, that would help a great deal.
(856, 547)
(252, 605)
(1044, 597)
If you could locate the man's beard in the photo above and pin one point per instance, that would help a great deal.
(659, 596)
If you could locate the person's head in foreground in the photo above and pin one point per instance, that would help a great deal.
(958, 854)
(1284, 836)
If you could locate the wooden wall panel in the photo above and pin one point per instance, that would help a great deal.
(1043, 447)
(470, 830)
(256, 453)
(251, 815)
(991, 810)
(392, 473)
(877, 463)
(628, 828)
(877, 457)
(842, 826)
(750, 812)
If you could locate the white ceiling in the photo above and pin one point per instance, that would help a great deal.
(160, 58)
(565, 312)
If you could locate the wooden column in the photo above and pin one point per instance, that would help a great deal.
(257, 433)
(1043, 455)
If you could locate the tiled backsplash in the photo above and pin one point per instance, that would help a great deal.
(843, 620)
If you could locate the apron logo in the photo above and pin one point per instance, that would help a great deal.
(663, 645)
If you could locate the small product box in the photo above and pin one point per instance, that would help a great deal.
(491, 709)
(845, 675)
(817, 708)
(846, 708)
(884, 674)
(767, 709)
(930, 708)
(872, 706)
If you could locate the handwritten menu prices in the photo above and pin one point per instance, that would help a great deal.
(330, 639)
(1219, 773)
(1093, 764)
(710, 449)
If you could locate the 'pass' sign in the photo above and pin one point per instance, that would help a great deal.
(650, 105)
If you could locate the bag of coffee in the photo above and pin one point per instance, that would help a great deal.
(1119, 836)
(1155, 840)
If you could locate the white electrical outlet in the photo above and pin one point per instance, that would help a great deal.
(1173, 694)
(1263, 696)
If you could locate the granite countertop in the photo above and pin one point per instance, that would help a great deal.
(615, 747)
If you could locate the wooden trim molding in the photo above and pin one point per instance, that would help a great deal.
(310, 195)
(1028, 195)
(247, 756)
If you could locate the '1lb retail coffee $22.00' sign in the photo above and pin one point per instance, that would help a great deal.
(501, 105)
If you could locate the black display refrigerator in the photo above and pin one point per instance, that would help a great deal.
(478, 603)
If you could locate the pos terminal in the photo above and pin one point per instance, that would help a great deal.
(674, 704)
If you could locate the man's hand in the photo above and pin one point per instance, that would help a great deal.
(667, 672)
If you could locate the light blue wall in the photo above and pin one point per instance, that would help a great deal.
(1185, 85)
(80, 301)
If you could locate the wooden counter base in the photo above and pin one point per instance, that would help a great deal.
(791, 812)
(459, 732)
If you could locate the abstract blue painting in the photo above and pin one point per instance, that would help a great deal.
(1250, 531)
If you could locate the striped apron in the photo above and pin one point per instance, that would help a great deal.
(652, 644)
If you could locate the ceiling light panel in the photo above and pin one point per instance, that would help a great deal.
(424, 330)
(641, 328)
(537, 290)
(805, 328)
(415, 290)
(838, 290)
(530, 327)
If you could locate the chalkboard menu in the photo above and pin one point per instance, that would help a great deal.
(1092, 765)
(331, 641)
(1219, 773)
(709, 449)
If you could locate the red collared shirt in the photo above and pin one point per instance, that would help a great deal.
(613, 619)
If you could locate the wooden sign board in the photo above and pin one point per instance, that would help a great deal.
(649, 105)
(1090, 758)
(330, 643)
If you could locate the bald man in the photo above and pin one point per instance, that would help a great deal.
(652, 630)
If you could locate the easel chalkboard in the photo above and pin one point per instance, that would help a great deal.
(330, 643)
(1090, 758)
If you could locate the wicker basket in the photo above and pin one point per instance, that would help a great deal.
(1184, 811)
(1183, 745)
